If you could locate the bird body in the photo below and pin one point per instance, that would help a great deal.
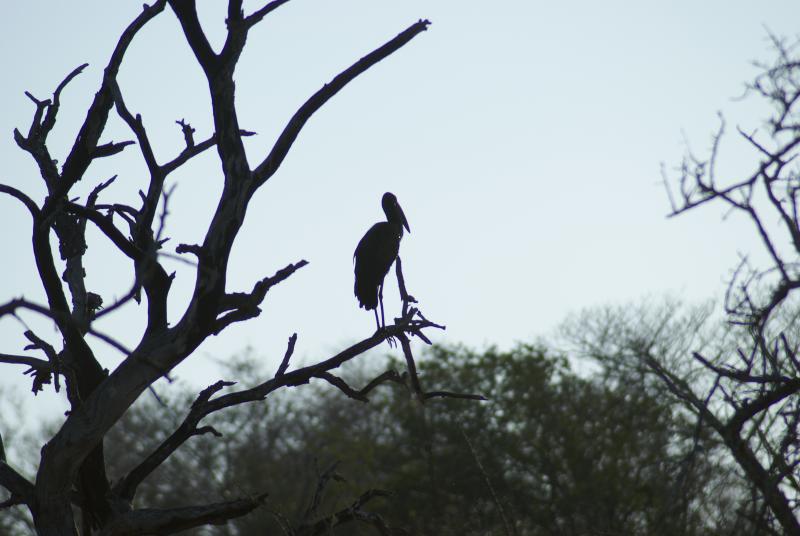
(374, 255)
(376, 252)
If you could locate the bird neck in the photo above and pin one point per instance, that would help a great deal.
(396, 227)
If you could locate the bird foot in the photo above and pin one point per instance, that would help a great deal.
(389, 338)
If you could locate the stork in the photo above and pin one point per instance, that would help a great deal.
(375, 254)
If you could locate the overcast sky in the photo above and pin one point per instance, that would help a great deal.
(522, 138)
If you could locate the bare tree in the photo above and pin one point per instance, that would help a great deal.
(752, 399)
(71, 476)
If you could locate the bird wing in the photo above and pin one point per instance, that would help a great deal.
(374, 255)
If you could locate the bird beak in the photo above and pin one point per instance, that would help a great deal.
(403, 218)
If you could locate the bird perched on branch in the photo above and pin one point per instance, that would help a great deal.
(375, 254)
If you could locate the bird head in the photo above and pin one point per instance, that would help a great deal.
(394, 214)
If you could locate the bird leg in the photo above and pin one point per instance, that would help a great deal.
(380, 300)
(377, 322)
(382, 325)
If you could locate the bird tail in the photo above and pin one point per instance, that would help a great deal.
(367, 294)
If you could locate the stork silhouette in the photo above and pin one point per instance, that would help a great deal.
(375, 254)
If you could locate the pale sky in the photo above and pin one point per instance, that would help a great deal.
(523, 140)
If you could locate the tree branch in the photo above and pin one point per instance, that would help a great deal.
(304, 375)
(11, 307)
(28, 361)
(448, 394)
(52, 110)
(127, 486)
(106, 225)
(19, 195)
(52, 357)
(353, 512)
(22, 491)
(761, 403)
(79, 158)
(110, 149)
(323, 479)
(243, 306)
(169, 521)
(204, 405)
(412, 367)
(137, 127)
(193, 150)
(272, 162)
(342, 385)
(729, 433)
(361, 394)
(259, 14)
(288, 355)
(186, 11)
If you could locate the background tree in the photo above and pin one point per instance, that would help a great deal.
(550, 453)
(741, 381)
(72, 469)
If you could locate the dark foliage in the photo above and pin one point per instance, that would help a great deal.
(551, 453)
